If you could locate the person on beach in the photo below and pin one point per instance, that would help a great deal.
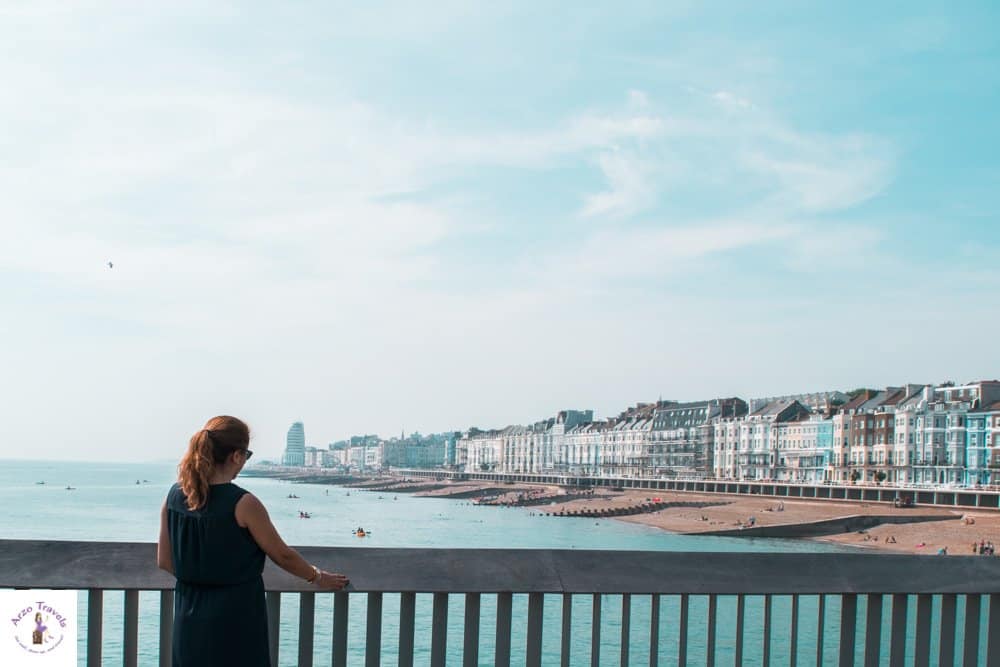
(214, 536)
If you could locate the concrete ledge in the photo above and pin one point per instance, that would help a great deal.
(129, 565)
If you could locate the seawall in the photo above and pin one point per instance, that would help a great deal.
(840, 525)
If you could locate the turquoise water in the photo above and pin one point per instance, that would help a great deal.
(107, 504)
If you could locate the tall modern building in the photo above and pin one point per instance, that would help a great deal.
(295, 446)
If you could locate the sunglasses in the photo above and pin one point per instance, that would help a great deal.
(246, 453)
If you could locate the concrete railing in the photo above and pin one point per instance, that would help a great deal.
(702, 606)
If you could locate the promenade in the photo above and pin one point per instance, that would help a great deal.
(875, 525)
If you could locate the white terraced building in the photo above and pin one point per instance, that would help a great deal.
(899, 435)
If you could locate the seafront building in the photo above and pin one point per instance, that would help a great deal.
(295, 446)
(909, 434)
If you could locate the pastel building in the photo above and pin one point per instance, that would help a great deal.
(747, 447)
(983, 446)
(682, 435)
(898, 435)
(480, 450)
(800, 457)
(584, 448)
(904, 451)
(942, 437)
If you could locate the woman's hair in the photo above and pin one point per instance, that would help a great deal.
(211, 445)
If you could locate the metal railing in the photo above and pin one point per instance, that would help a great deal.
(697, 607)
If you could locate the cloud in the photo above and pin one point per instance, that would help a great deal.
(732, 100)
(816, 174)
(757, 161)
(299, 250)
(629, 187)
(836, 248)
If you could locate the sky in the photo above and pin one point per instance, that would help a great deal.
(377, 217)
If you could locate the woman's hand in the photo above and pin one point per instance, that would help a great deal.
(331, 581)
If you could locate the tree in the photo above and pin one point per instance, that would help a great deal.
(880, 476)
(855, 476)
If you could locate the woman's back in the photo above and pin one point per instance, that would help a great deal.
(220, 616)
(208, 546)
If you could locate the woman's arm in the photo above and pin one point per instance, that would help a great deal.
(163, 558)
(251, 514)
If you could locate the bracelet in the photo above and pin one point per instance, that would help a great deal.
(315, 576)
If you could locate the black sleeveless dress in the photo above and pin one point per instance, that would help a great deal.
(220, 614)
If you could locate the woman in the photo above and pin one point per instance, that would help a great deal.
(213, 538)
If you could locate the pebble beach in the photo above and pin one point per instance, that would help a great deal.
(952, 529)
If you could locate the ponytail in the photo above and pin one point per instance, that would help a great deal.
(209, 446)
(196, 469)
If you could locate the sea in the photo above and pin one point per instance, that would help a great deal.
(121, 502)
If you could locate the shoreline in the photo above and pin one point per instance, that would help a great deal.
(874, 526)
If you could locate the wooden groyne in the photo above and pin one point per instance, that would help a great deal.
(405, 488)
(642, 508)
(462, 493)
(369, 483)
(534, 500)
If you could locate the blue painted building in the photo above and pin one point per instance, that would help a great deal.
(982, 446)
(824, 444)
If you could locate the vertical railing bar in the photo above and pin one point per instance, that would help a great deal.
(567, 630)
(533, 649)
(922, 646)
(130, 642)
(654, 630)
(341, 610)
(848, 628)
(740, 613)
(946, 649)
(766, 646)
(273, 602)
(873, 630)
(626, 628)
(166, 627)
(470, 645)
(95, 624)
(993, 631)
(373, 631)
(505, 603)
(793, 645)
(595, 632)
(307, 621)
(973, 608)
(710, 638)
(820, 627)
(407, 616)
(897, 634)
(682, 631)
(439, 630)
